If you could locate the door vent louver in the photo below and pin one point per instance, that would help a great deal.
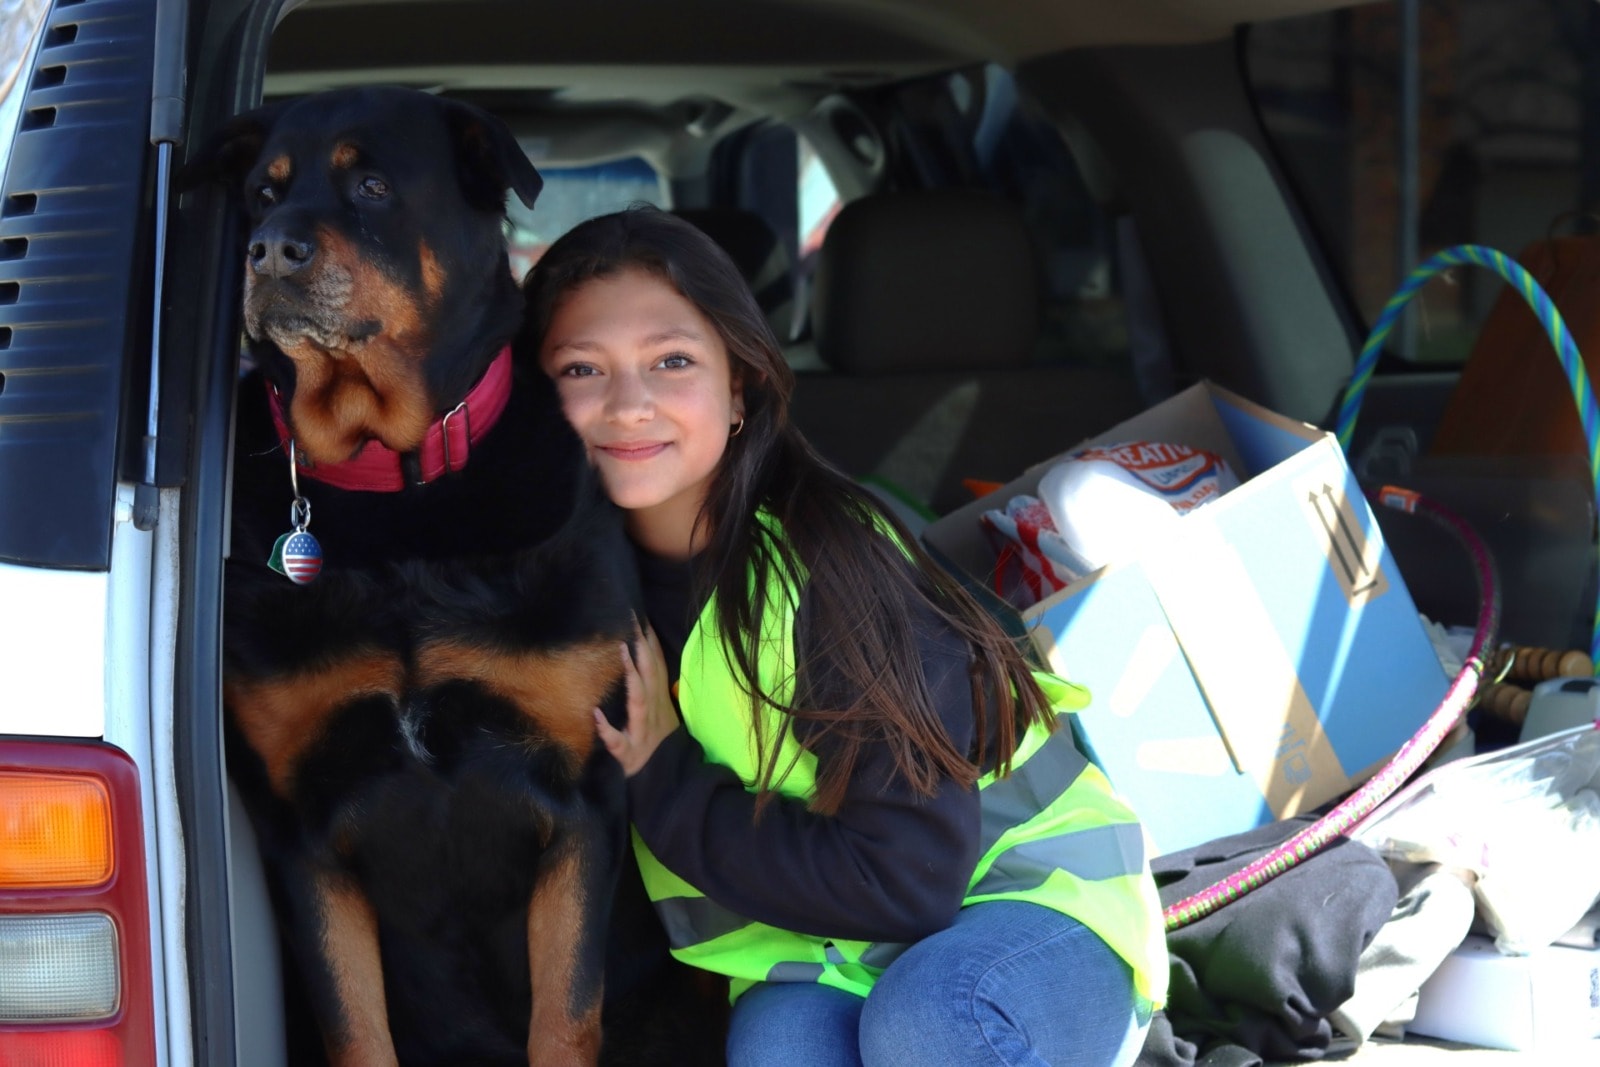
(72, 267)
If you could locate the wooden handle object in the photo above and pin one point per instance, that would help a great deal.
(1506, 702)
(1530, 664)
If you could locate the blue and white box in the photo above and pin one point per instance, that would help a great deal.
(1260, 657)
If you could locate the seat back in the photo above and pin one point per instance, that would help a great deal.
(925, 314)
(759, 253)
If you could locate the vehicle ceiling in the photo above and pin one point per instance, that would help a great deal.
(657, 64)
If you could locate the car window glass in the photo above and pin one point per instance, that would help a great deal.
(1504, 143)
(20, 21)
(818, 201)
(773, 171)
(573, 194)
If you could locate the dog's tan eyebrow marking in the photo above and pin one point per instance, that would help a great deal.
(283, 716)
(433, 275)
(557, 688)
(345, 155)
(280, 169)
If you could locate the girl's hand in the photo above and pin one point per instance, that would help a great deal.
(651, 716)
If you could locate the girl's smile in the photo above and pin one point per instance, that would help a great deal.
(627, 452)
(646, 381)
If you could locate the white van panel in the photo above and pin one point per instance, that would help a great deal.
(52, 651)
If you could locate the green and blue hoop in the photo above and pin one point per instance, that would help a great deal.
(1549, 318)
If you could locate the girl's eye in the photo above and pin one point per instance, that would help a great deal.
(676, 361)
(578, 370)
(373, 188)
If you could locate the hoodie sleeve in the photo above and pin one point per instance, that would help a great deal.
(888, 866)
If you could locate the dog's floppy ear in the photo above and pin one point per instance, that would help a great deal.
(229, 153)
(489, 158)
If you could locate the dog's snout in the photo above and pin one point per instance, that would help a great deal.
(277, 254)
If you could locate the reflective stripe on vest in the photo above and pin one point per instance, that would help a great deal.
(1093, 854)
(1051, 832)
(691, 920)
(1030, 788)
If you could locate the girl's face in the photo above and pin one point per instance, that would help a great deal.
(646, 381)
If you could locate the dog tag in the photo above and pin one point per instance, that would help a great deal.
(298, 556)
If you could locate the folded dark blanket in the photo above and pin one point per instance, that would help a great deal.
(1258, 978)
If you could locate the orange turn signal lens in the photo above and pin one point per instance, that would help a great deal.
(55, 831)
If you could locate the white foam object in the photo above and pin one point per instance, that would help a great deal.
(1108, 502)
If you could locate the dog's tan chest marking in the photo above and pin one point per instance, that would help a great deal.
(557, 689)
(340, 402)
(282, 717)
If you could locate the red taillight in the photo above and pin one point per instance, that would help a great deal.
(61, 1048)
(75, 982)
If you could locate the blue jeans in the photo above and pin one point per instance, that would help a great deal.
(1008, 983)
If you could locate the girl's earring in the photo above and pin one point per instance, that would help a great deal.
(739, 429)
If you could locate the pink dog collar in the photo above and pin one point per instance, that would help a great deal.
(377, 467)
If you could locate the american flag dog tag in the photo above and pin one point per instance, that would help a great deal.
(297, 554)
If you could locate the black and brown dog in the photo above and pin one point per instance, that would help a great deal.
(411, 726)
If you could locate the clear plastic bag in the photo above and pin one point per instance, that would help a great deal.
(1526, 820)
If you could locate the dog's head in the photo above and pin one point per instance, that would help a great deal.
(376, 280)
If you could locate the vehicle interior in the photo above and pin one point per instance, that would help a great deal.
(984, 230)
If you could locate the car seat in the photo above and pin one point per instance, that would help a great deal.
(925, 314)
(760, 255)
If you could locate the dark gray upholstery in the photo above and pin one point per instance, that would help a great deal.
(925, 316)
(932, 280)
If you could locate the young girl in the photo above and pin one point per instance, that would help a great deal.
(848, 792)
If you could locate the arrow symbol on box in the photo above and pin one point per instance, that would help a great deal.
(1348, 545)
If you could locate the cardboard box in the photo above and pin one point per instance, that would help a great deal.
(1260, 658)
(1543, 1002)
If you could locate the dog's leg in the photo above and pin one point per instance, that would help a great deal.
(349, 931)
(566, 930)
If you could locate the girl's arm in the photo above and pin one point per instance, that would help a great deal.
(889, 866)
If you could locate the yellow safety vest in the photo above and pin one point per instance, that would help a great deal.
(1053, 832)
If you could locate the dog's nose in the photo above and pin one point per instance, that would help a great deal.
(275, 254)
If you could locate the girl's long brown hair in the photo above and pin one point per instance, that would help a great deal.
(861, 592)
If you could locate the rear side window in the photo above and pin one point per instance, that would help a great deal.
(573, 194)
(1478, 123)
(818, 200)
(20, 23)
(774, 172)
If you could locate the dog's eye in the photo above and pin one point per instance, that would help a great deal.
(266, 195)
(373, 188)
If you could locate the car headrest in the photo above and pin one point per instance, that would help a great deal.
(758, 252)
(929, 280)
